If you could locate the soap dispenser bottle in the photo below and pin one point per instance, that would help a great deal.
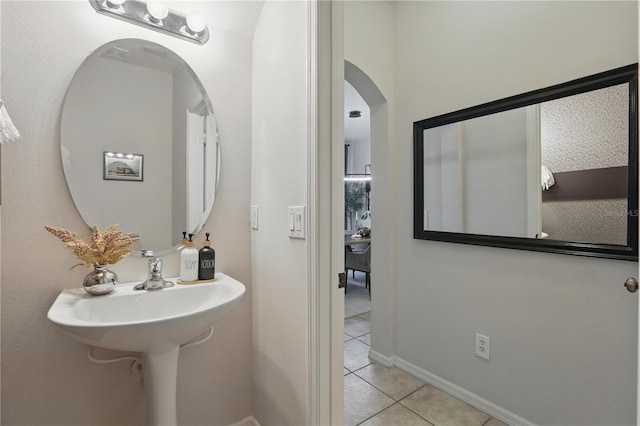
(207, 265)
(189, 261)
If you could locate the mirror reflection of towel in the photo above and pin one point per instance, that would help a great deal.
(8, 132)
(547, 178)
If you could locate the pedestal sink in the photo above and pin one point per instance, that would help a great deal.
(154, 323)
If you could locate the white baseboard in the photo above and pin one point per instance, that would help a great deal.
(382, 359)
(249, 421)
(470, 398)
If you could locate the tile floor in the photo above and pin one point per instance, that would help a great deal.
(375, 395)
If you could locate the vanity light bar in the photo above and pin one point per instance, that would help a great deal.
(119, 155)
(152, 15)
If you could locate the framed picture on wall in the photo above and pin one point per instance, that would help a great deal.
(120, 166)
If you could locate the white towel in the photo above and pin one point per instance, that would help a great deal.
(547, 178)
(8, 132)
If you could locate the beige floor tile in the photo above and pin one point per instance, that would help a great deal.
(392, 381)
(366, 339)
(356, 355)
(357, 326)
(396, 415)
(442, 409)
(361, 400)
(366, 316)
(494, 422)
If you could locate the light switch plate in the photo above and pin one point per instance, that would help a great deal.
(296, 223)
(254, 217)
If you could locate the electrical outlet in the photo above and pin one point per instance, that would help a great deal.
(483, 346)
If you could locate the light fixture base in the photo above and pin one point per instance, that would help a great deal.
(135, 12)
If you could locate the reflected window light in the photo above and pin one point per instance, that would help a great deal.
(357, 178)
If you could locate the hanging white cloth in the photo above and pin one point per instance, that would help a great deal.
(8, 132)
(547, 178)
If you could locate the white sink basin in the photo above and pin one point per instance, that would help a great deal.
(145, 320)
(154, 322)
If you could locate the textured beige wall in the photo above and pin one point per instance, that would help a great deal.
(586, 131)
(279, 169)
(46, 376)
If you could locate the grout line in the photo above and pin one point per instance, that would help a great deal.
(372, 416)
(376, 387)
(358, 338)
(359, 335)
(448, 395)
(399, 401)
(364, 366)
(395, 402)
(417, 414)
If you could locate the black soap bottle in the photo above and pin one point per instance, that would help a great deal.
(207, 264)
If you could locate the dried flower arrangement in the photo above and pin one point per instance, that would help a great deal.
(106, 248)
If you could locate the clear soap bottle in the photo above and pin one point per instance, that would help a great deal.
(189, 261)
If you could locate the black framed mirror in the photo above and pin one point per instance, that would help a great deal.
(552, 170)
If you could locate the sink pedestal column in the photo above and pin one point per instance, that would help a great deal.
(160, 372)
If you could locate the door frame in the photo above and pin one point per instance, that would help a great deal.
(325, 195)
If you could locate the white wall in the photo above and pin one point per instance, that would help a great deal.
(368, 44)
(46, 376)
(473, 175)
(541, 311)
(279, 170)
(140, 125)
(495, 178)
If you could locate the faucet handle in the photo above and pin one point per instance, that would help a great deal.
(154, 280)
(155, 267)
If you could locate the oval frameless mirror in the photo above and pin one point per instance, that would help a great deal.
(139, 143)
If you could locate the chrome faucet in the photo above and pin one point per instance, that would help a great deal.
(154, 280)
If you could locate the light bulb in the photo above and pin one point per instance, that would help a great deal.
(115, 5)
(157, 11)
(196, 23)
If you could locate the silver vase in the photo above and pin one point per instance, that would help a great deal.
(100, 281)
